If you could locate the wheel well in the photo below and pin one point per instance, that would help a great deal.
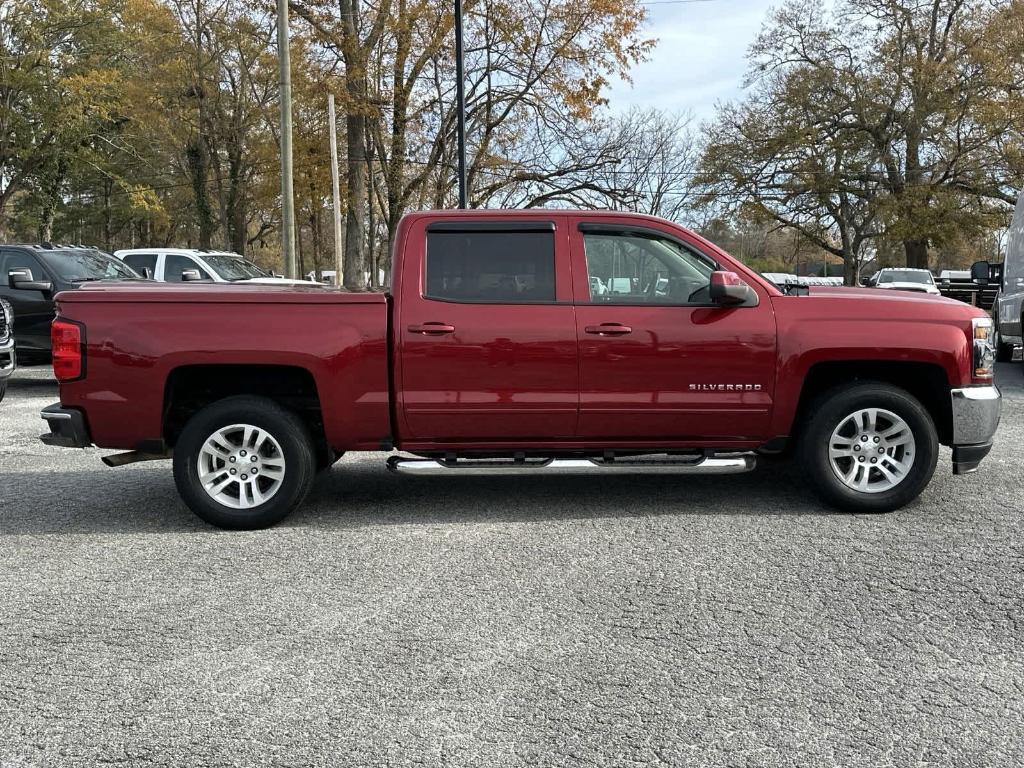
(193, 387)
(925, 381)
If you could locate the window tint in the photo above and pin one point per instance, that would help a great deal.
(500, 267)
(643, 269)
(141, 261)
(12, 260)
(175, 264)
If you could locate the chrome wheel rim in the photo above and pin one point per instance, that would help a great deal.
(241, 466)
(872, 450)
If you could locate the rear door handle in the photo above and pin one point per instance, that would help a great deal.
(432, 329)
(608, 329)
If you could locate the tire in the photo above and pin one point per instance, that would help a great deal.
(284, 452)
(3, 389)
(1004, 352)
(909, 454)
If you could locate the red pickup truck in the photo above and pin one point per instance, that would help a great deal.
(525, 342)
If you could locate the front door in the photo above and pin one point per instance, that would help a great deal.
(658, 360)
(33, 310)
(486, 332)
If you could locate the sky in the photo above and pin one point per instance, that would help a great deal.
(699, 58)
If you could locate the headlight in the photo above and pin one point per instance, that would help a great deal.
(984, 349)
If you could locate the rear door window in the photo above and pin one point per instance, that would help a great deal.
(496, 267)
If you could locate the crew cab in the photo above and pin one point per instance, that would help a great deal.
(497, 351)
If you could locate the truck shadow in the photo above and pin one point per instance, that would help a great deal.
(143, 499)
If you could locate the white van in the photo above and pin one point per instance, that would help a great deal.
(176, 265)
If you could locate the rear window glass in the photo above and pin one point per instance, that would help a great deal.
(494, 267)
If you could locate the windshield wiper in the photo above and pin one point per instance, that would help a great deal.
(84, 279)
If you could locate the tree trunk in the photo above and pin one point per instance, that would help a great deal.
(917, 253)
(198, 171)
(355, 188)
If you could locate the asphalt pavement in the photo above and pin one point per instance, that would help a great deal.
(399, 621)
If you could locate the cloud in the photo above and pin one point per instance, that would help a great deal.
(700, 57)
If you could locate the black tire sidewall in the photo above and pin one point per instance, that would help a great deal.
(284, 426)
(828, 412)
(1004, 352)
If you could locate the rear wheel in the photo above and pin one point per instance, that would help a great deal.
(244, 463)
(869, 447)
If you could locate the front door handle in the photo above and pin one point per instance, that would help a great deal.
(432, 329)
(609, 329)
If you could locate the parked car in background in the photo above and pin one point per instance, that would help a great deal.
(1008, 279)
(496, 352)
(177, 265)
(905, 279)
(8, 359)
(31, 275)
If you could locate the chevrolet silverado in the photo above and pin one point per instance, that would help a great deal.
(517, 342)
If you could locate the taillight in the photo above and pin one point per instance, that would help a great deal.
(68, 355)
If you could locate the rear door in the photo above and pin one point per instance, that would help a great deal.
(486, 332)
(658, 360)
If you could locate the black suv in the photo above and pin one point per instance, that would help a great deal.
(31, 275)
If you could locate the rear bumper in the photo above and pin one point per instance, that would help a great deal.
(976, 412)
(67, 427)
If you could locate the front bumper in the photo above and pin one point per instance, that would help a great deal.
(67, 427)
(976, 412)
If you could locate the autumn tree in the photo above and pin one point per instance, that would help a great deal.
(60, 96)
(902, 79)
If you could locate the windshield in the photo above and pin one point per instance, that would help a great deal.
(905, 276)
(82, 264)
(232, 267)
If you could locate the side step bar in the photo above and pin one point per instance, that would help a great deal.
(710, 465)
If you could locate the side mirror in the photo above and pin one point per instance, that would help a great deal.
(22, 280)
(728, 290)
(980, 272)
(191, 275)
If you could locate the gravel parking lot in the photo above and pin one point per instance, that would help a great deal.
(491, 622)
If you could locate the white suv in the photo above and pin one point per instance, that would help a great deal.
(175, 265)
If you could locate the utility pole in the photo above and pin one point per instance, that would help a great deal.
(460, 97)
(339, 264)
(287, 193)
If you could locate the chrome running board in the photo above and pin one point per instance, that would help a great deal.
(701, 465)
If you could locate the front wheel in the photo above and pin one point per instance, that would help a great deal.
(869, 447)
(3, 389)
(244, 463)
